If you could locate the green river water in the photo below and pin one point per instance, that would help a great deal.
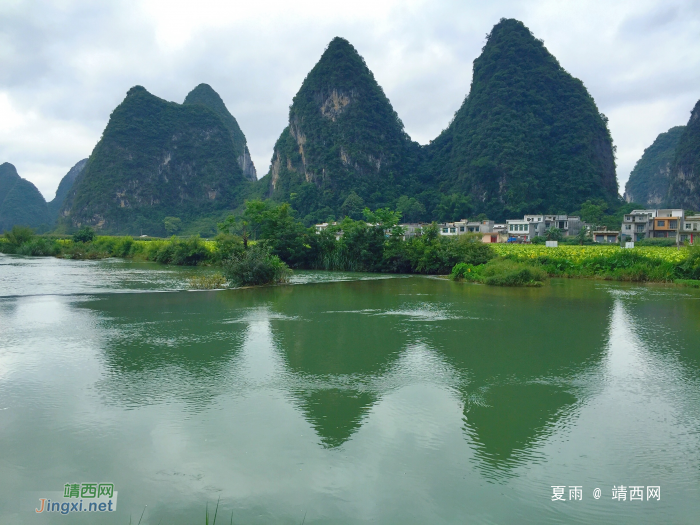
(345, 398)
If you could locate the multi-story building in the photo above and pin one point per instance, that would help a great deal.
(657, 224)
(636, 225)
(520, 229)
(531, 226)
(690, 232)
(464, 226)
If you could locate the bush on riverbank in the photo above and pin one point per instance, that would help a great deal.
(500, 272)
(255, 266)
(689, 283)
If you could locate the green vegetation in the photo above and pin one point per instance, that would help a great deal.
(84, 234)
(21, 203)
(689, 283)
(649, 180)
(345, 147)
(684, 188)
(528, 138)
(500, 272)
(64, 188)
(204, 95)
(156, 159)
(214, 281)
(255, 266)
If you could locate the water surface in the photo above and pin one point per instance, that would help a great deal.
(346, 398)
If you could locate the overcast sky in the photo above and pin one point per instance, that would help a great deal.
(65, 65)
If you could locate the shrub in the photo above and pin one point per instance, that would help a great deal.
(691, 266)
(690, 283)
(19, 235)
(84, 234)
(182, 253)
(208, 282)
(503, 272)
(39, 247)
(464, 272)
(255, 266)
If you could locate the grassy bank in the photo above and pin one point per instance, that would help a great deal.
(376, 244)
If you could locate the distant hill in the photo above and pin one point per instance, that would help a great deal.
(649, 180)
(64, 188)
(203, 94)
(21, 203)
(156, 159)
(528, 137)
(345, 146)
(684, 187)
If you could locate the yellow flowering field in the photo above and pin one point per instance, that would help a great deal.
(578, 254)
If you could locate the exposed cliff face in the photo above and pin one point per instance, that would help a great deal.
(650, 178)
(203, 94)
(64, 188)
(343, 137)
(684, 187)
(528, 138)
(155, 159)
(21, 203)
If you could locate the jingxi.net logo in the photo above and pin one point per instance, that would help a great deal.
(79, 497)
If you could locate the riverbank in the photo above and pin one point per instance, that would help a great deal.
(371, 251)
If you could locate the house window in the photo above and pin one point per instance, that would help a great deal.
(453, 230)
(673, 224)
(687, 226)
(445, 230)
(461, 228)
(695, 226)
(628, 218)
(660, 224)
(628, 226)
(640, 227)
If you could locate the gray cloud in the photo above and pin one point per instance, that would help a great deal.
(65, 66)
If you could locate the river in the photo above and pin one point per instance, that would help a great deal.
(346, 398)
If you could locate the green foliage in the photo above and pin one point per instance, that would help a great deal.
(190, 252)
(156, 159)
(39, 247)
(500, 272)
(345, 146)
(213, 281)
(649, 180)
(172, 224)
(19, 235)
(21, 203)
(464, 272)
(255, 266)
(64, 188)
(689, 283)
(554, 234)
(691, 266)
(84, 234)
(411, 209)
(684, 188)
(528, 137)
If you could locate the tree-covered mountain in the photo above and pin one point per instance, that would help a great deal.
(649, 180)
(345, 146)
(64, 188)
(156, 159)
(684, 187)
(528, 137)
(21, 203)
(203, 94)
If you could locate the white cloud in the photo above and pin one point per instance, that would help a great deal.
(66, 65)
